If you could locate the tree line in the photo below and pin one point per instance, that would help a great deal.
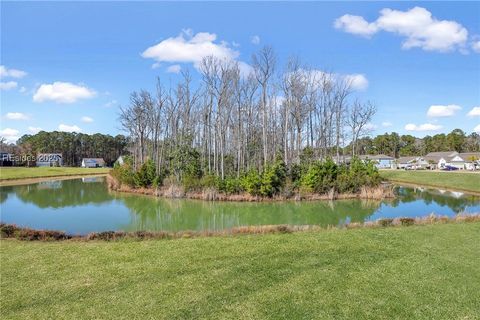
(396, 145)
(73, 146)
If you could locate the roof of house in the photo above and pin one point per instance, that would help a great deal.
(467, 156)
(407, 159)
(376, 157)
(97, 160)
(436, 156)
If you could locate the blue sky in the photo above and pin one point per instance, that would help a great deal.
(69, 66)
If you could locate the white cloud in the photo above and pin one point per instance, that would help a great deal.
(189, 48)
(16, 116)
(423, 127)
(8, 85)
(68, 128)
(417, 25)
(357, 81)
(22, 90)
(355, 25)
(174, 68)
(386, 124)
(86, 119)
(255, 39)
(477, 129)
(34, 130)
(11, 73)
(475, 112)
(62, 92)
(11, 135)
(156, 65)
(442, 111)
(476, 46)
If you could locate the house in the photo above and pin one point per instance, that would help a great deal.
(413, 162)
(448, 158)
(472, 160)
(120, 161)
(93, 163)
(381, 161)
(49, 160)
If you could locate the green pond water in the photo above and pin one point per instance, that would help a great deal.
(80, 206)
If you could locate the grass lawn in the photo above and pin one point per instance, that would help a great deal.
(466, 181)
(418, 272)
(10, 173)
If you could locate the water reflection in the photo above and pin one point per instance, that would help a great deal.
(85, 205)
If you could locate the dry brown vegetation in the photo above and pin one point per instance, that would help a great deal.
(12, 231)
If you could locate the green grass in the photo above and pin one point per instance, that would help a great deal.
(10, 173)
(466, 181)
(418, 272)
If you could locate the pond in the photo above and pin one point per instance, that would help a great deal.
(80, 206)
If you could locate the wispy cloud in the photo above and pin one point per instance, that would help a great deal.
(16, 116)
(69, 128)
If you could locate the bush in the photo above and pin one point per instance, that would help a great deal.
(407, 221)
(273, 179)
(252, 182)
(385, 222)
(146, 175)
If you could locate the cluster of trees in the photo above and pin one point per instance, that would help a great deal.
(310, 176)
(232, 122)
(73, 146)
(396, 145)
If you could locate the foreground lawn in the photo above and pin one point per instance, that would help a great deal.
(466, 181)
(419, 272)
(9, 173)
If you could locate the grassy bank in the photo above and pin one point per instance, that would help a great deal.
(465, 181)
(12, 173)
(418, 272)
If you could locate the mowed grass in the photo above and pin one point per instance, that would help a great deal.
(10, 173)
(418, 272)
(466, 181)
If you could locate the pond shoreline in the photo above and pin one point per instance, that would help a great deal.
(12, 231)
(24, 181)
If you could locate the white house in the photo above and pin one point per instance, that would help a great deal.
(472, 160)
(413, 162)
(93, 163)
(443, 159)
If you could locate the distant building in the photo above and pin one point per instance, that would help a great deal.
(413, 162)
(381, 161)
(49, 160)
(93, 163)
(472, 160)
(120, 160)
(443, 159)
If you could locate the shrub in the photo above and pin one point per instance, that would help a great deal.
(273, 179)
(252, 182)
(407, 221)
(146, 175)
(385, 222)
